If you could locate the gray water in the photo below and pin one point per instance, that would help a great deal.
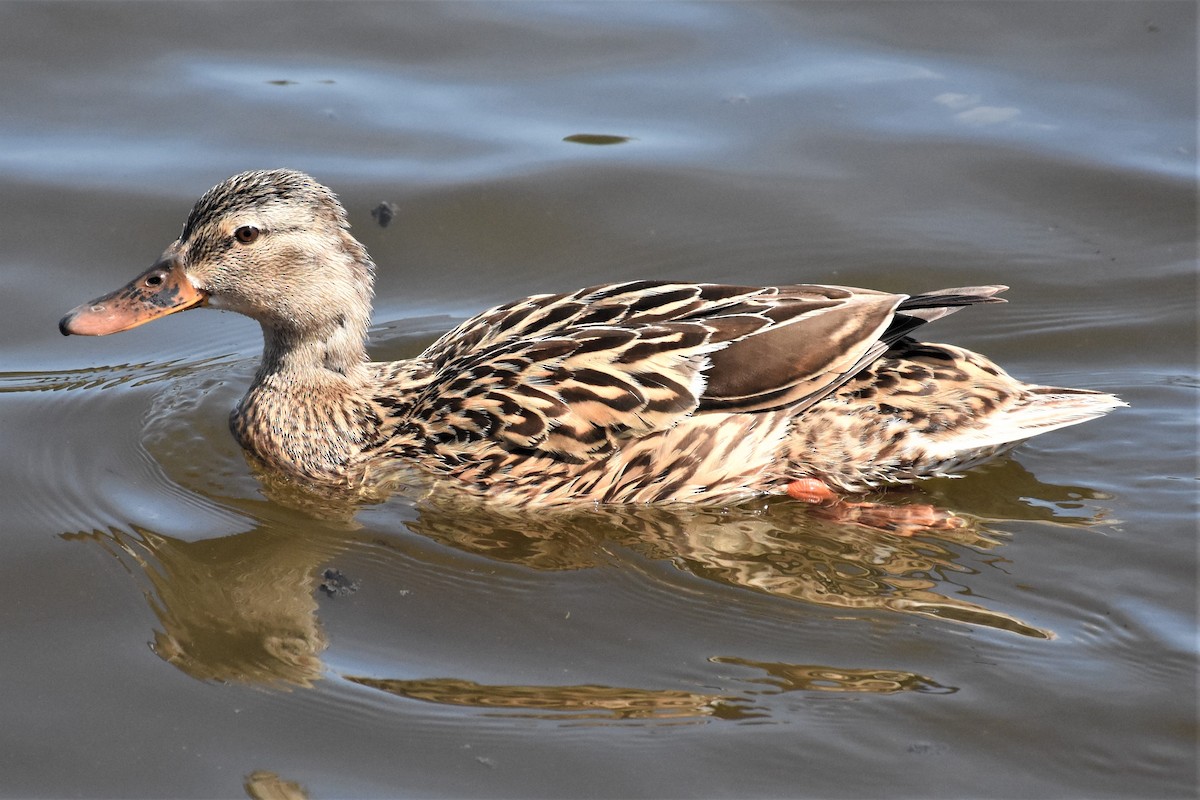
(171, 629)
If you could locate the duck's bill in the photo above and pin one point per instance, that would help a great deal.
(161, 290)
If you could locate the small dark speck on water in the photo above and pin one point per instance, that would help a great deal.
(928, 748)
(596, 138)
(289, 82)
(383, 213)
(336, 584)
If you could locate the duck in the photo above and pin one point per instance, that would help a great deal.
(637, 392)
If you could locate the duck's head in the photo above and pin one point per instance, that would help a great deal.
(273, 245)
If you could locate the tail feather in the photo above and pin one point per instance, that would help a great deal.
(929, 306)
(1046, 408)
(1053, 407)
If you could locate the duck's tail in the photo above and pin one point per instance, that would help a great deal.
(1048, 408)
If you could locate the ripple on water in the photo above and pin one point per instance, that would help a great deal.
(85, 465)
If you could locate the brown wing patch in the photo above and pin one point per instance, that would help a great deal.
(801, 358)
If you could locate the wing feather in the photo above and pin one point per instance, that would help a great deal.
(578, 375)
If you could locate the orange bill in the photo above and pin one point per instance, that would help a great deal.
(163, 289)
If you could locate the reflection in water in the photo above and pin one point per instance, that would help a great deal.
(839, 557)
(781, 548)
(1005, 490)
(566, 702)
(265, 785)
(242, 608)
(238, 608)
(608, 702)
(815, 678)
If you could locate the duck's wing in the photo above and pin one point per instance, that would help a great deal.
(613, 304)
(574, 375)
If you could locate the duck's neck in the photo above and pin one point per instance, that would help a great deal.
(335, 351)
(320, 336)
(308, 410)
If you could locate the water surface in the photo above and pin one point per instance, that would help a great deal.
(176, 628)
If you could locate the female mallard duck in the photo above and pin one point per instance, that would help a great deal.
(640, 392)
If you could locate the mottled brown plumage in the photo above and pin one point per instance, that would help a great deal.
(640, 392)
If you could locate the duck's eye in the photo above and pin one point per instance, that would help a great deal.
(246, 234)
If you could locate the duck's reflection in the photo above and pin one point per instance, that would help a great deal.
(782, 548)
(266, 785)
(581, 702)
(815, 678)
(234, 609)
(610, 702)
(244, 609)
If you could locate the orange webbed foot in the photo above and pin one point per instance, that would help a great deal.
(811, 490)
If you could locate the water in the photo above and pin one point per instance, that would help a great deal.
(172, 629)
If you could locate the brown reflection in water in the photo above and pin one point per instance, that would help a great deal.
(1005, 490)
(242, 608)
(817, 678)
(238, 608)
(265, 785)
(566, 702)
(854, 556)
(780, 548)
(592, 702)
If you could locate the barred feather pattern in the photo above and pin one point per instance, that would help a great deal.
(925, 410)
(630, 393)
(607, 394)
